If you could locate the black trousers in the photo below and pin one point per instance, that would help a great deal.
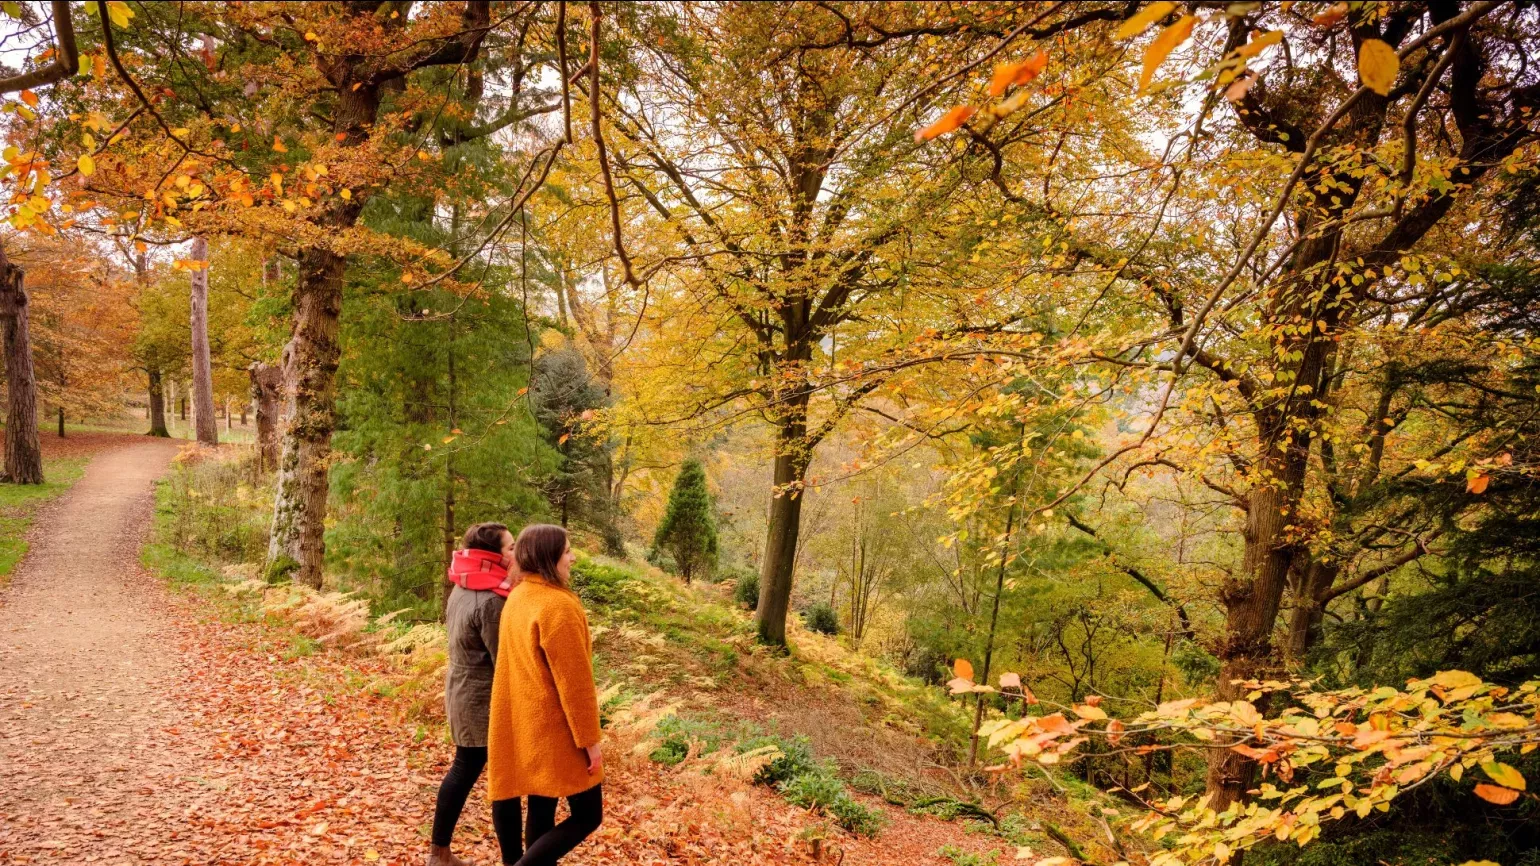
(463, 773)
(548, 841)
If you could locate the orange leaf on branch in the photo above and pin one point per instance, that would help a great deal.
(1018, 74)
(951, 120)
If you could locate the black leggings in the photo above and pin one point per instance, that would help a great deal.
(457, 784)
(548, 841)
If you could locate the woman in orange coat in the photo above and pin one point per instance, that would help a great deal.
(543, 739)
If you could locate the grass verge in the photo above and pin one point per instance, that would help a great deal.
(19, 504)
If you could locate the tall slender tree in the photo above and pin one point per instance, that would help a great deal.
(202, 366)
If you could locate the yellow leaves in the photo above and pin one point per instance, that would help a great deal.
(1164, 43)
(371, 855)
(276, 180)
(119, 13)
(1503, 775)
(1378, 66)
(1018, 74)
(86, 165)
(1143, 19)
(951, 120)
(99, 67)
(346, 194)
(1454, 686)
(1495, 794)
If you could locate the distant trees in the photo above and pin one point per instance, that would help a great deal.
(689, 531)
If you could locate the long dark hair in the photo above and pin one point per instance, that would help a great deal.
(485, 536)
(539, 547)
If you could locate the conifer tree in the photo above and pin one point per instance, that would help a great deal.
(688, 531)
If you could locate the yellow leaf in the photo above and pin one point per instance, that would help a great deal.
(1259, 42)
(119, 12)
(277, 180)
(371, 855)
(963, 669)
(1164, 43)
(1378, 66)
(1494, 794)
(1503, 775)
(1142, 21)
(278, 145)
(39, 204)
(951, 120)
(86, 164)
(1086, 711)
(99, 66)
(346, 194)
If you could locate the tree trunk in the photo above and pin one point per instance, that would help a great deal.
(61, 422)
(23, 453)
(791, 461)
(450, 536)
(265, 385)
(157, 405)
(204, 413)
(297, 546)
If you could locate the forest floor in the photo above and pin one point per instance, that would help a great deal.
(140, 725)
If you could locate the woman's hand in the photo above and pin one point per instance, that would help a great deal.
(595, 759)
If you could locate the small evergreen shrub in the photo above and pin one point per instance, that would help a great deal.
(854, 817)
(822, 619)
(812, 790)
(796, 758)
(746, 592)
(677, 736)
(599, 584)
(689, 530)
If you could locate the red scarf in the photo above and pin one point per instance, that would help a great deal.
(480, 569)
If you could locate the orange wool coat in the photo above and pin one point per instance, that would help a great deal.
(545, 708)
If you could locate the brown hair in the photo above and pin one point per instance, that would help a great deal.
(539, 547)
(485, 536)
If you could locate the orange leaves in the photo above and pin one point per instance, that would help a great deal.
(951, 120)
(1477, 483)
(278, 145)
(1164, 43)
(1378, 66)
(1018, 74)
(963, 668)
(1495, 794)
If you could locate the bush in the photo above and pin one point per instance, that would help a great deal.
(854, 817)
(814, 790)
(677, 736)
(599, 584)
(822, 619)
(746, 591)
(823, 792)
(796, 758)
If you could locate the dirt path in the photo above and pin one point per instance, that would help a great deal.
(84, 660)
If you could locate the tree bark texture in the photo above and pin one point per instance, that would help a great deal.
(791, 461)
(23, 453)
(204, 417)
(297, 547)
(157, 405)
